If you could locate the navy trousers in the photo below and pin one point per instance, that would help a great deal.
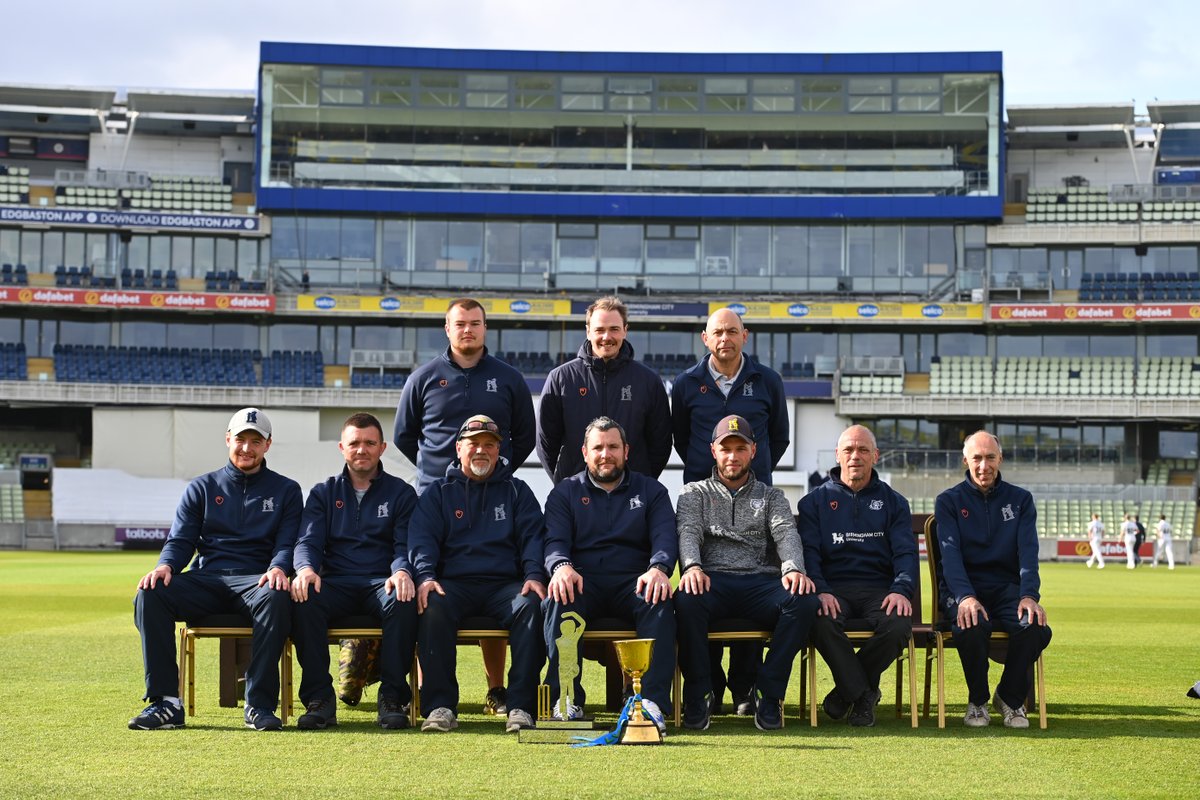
(437, 639)
(343, 595)
(1026, 642)
(760, 598)
(609, 596)
(195, 594)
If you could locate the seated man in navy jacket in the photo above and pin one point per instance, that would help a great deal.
(611, 547)
(352, 558)
(476, 543)
(987, 532)
(860, 553)
(242, 520)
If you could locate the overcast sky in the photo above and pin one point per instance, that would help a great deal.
(1055, 51)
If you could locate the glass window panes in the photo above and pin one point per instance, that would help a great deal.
(625, 85)
(487, 82)
(582, 83)
(774, 85)
(725, 85)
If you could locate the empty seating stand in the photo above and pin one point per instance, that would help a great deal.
(11, 275)
(13, 362)
(154, 365)
(293, 368)
(185, 193)
(14, 185)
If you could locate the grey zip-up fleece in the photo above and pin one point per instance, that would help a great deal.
(722, 531)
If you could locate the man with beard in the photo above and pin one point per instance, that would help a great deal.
(604, 380)
(728, 381)
(242, 520)
(728, 526)
(610, 530)
(476, 543)
(860, 554)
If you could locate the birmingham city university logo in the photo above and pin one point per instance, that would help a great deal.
(838, 538)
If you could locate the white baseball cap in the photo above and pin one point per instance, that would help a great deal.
(249, 419)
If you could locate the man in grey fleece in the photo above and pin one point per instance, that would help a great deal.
(734, 532)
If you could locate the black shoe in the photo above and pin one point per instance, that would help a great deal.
(1194, 691)
(320, 714)
(745, 705)
(391, 714)
(768, 716)
(496, 701)
(835, 706)
(158, 716)
(696, 716)
(863, 713)
(716, 706)
(262, 720)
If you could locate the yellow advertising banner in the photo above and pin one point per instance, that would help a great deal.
(365, 304)
(860, 312)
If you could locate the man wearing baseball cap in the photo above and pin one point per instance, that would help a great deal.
(242, 520)
(730, 526)
(476, 544)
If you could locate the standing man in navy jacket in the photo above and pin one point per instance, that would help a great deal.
(352, 558)
(476, 542)
(611, 548)
(728, 381)
(436, 400)
(242, 520)
(604, 380)
(987, 532)
(860, 553)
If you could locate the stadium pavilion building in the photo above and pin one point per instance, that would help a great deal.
(906, 251)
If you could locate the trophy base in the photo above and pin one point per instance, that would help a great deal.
(583, 724)
(641, 732)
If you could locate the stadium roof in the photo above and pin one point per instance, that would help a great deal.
(191, 112)
(49, 109)
(1101, 125)
(1174, 113)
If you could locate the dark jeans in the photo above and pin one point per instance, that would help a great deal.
(195, 594)
(1025, 644)
(437, 639)
(340, 596)
(857, 673)
(760, 598)
(745, 659)
(608, 596)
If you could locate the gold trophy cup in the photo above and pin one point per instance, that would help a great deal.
(634, 655)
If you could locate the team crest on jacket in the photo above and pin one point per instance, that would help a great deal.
(627, 394)
(1007, 513)
(757, 504)
(876, 505)
(748, 390)
(218, 499)
(500, 513)
(635, 502)
(833, 505)
(339, 504)
(963, 511)
(493, 385)
(585, 500)
(583, 391)
(458, 513)
(382, 511)
(268, 504)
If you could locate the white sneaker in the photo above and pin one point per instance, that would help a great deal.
(1013, 717)
(573, 711)
(1100, 566)
(1089, 565)
(651, 708)
(440, 719)
(518, 719)
(976, 716)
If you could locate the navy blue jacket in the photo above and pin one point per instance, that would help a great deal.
(858, 538)
(341, 536)
(470, 529)
(697, 405)
(618, 534)
(988, 540)
(587, 387)
(439, 397)
(239, 522)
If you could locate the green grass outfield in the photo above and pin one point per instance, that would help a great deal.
(1126, 647)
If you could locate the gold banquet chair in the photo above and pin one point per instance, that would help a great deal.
(216, 626)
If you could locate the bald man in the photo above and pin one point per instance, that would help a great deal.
(860, 552)
(987, 534)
